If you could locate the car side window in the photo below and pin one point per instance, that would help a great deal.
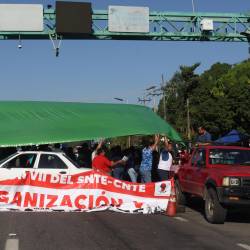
(50, 161)
(21, 161)
(201, 159)
(194, 158)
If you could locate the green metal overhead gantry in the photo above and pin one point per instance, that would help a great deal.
(164, 26)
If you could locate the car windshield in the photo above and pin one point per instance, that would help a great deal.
(229, 157)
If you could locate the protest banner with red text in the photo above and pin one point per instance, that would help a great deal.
(87, 191)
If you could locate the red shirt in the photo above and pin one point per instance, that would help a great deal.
(102, 164)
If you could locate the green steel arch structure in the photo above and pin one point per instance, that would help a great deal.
(164, 26)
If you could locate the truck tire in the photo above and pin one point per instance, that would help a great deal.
(215, 213)
(180, 196)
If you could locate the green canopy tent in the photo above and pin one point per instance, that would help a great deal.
(28, 122)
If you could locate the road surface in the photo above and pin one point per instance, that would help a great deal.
(109, 230)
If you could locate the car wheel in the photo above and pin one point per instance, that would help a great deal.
(180, 197)
(215, 213)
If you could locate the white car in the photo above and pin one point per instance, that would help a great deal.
(38, 161)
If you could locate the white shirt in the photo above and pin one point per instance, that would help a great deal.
(93, 155)
(165, 164)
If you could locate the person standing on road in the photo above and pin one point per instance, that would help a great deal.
(102, 164)
(147, 160)
(131, 164)
(165, 161)
(119, 169)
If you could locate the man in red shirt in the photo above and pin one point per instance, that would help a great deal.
(102, 163)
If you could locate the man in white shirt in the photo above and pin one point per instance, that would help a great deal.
(165, 161)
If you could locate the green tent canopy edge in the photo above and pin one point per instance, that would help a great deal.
(36, 122)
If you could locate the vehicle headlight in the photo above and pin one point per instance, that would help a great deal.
(225, 182)
(231, 181)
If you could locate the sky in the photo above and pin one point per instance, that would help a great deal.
(98, 71)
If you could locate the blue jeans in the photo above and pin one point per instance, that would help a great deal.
(145, 176)
(132, 174)
(118, 173)
(163, 174)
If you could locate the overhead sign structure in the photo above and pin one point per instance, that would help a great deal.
(125, 23)
(21, 17)
(73, 18)
(128, 19)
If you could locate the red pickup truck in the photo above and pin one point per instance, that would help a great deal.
(218, 174)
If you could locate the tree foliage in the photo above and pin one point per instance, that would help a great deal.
(219, 98)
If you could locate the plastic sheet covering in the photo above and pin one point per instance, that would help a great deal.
(28, 122)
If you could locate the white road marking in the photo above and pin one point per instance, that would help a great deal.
(12, 244)
(12, 234)
(247, 247)
(181, 219)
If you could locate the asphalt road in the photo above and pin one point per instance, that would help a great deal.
(109, 230)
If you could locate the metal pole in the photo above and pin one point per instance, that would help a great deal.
(164, 98)
(193, 5)
(188, 121)
(154, 103)
(193, 12)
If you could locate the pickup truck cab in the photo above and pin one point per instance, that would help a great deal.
(218, 174)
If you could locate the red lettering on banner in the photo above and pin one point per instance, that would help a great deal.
(117, 183)
(3, 196)
(41, 202)
(69, 181)
(116, 203)
(80, 180)
(104, 180)
(89, 179)
(138, 204)
(17, 199)
(52, 200)
(44, 178)
(34, 175)
(142, 188)
(77, 201)
(102, 201)
(66, 201)
(97, 178)
(54, 178)
(91, 201)
(30, 200)
(22, 176)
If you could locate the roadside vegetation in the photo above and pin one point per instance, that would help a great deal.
(219, 99)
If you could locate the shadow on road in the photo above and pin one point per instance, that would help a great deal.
(237, 215)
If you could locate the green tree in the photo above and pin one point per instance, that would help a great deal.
(219, 98)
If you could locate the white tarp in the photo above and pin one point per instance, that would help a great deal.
(21, 17)
(128, 19)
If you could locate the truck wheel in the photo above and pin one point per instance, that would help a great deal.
(215, 213)
(180, 198)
